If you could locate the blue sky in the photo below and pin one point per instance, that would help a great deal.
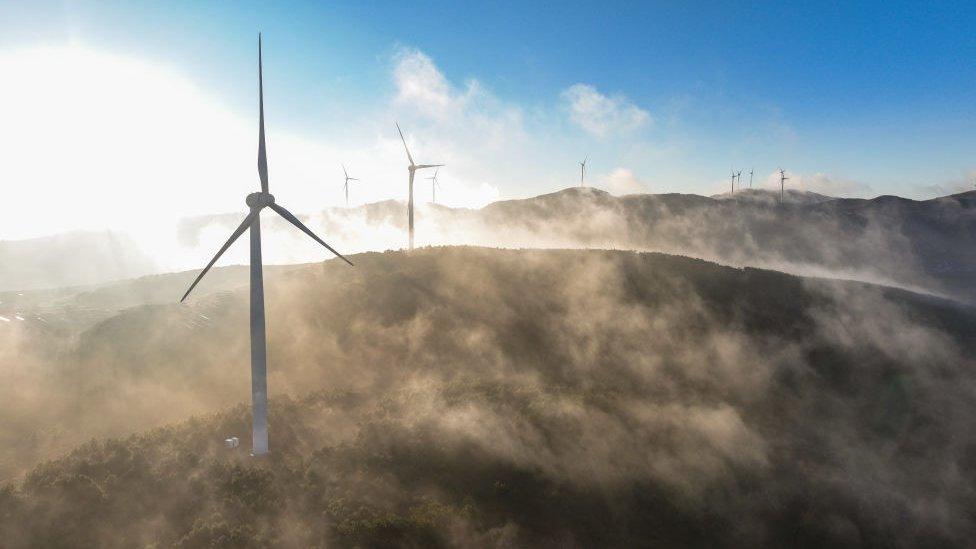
(853, 99)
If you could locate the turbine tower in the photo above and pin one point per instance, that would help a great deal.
(732, 172)
(782, 179)
(412, 168)
(256, 202)
(433, 186)
(583, 170)
(750, 177)
(346, 185)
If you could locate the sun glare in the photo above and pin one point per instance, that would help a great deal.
(99, 140)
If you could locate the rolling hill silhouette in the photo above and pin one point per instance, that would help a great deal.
(924, 245)
(470, 396)
(70, 259)
(921, 245)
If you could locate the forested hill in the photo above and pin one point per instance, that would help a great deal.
(468, 396)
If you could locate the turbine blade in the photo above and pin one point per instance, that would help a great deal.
(353, 179)
(294, 221)
(410, 158)
(236, 234)
(430, 166)
(344, 172)
(262, 150)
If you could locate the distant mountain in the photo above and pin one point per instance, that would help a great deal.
(478, 397)
(925, 245)
(70, 259)
(790, 196)
(74, 309)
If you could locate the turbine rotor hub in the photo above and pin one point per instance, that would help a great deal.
(259, 200)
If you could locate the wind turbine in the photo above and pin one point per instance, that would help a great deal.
(256, 202)
(412, 168)
(732, 171)
(346, 185)
(750, 177)
(433, 186)
(583, 170)
(782, 179)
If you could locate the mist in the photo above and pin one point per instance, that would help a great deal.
(844, 404)
(917, 245)
(602, 338)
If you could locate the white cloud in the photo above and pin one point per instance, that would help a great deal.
(621, 181)
(603, 115)
(423, 91)
(422, 86)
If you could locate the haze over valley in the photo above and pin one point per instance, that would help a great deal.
(696, 382)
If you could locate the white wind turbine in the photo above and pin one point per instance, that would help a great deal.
(346, 184)
(782, 181)
(583, 170)
(259, 357)
(433, 186)
(412, 168)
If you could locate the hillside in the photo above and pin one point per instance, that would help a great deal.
(466, 396)
(923, 245)
(928, 245)
(83, 257)
(770, 198)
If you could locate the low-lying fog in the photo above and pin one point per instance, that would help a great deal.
(920, 245)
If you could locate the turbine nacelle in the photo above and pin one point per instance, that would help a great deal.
(259, 200)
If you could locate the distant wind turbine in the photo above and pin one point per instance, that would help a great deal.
(256, 202)
(412, 168)
(750, 177)
(433, 186)
(346, 185)
(583, 170)
(782, 180)
(732, 172)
